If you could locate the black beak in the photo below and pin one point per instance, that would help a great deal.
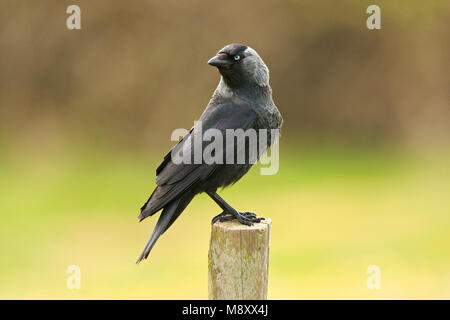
(220, 61)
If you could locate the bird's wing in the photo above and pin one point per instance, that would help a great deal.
(174, 178)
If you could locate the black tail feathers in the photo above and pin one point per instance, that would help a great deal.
(168, 216)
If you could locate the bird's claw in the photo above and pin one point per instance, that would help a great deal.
(222, 217)
(246, 218)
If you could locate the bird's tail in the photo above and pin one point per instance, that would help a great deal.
(168, 216)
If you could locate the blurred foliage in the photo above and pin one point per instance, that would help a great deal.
(85, 117)
(138, 69)
(335, 211)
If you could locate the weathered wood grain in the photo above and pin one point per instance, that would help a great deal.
(238, 260)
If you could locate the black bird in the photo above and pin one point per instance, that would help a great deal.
(242, 100)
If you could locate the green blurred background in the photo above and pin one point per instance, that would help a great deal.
(86, 116)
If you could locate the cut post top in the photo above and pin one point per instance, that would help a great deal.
(235, 225)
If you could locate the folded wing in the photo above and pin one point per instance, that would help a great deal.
(175, 178)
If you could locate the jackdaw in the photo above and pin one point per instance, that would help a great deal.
(242, 100)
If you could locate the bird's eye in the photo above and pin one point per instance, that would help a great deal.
(237, 57)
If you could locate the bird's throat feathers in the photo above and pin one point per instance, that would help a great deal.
(244, 92)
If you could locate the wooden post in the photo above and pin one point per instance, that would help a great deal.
(238, 261)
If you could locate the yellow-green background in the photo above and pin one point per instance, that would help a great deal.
(86, 116)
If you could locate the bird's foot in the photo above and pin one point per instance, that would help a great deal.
(222, 217)
(247, 218)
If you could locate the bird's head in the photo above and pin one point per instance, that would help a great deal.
(239, 65)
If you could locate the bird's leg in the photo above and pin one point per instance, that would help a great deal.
(229, 213)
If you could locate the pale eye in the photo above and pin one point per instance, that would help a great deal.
(237, 57)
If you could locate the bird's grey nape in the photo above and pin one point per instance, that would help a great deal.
(257, 68)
